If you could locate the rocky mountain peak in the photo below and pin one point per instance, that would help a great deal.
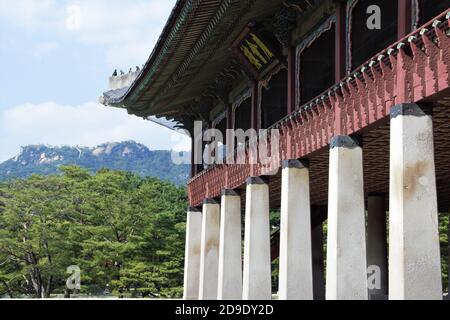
(126, 155)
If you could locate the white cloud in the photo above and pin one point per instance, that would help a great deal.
(127, 29)
(73, 19)
(87, 125)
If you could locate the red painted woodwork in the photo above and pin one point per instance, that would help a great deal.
(404, 17)
(408, 71)
(193, 166)
(291, 80)
(255, 115)
(340, 34)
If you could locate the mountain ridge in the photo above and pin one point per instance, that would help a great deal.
(126, 155)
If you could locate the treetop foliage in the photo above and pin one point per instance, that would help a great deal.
(124, 232)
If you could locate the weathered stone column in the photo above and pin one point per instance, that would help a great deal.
(209, 256)
(377, 247)
(257, 265)
(230, 253)
(414, 257)
(346, 247)
(192, 254)
(295, 277)
(318, 263)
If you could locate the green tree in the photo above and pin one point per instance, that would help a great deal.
(31, 233)
(126, 234)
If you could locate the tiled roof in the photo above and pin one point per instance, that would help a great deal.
(114, 96)
(192, 50)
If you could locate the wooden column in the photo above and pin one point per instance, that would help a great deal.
(255, 103)
(228, 139)
(404, 18)
(230, 124)
(207, 145)
(340, 56)
(291, 80)
(340, 40)
(255, 119)
(193, 165)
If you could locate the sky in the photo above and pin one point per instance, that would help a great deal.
(55, 60)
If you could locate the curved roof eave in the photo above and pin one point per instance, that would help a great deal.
(197, 31)
(121, 97)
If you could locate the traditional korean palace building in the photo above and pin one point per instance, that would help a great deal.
(359, 95)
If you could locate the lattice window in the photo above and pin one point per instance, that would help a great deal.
(317, 66)
(274, 99)
(370, 29)
(429, 9)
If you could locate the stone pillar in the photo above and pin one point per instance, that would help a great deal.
(192, 254)
(295, 277)
(318, 263)
(414, 256)
(230, 253)
(346, 246)
(377, 247)
(209, 254)
(257, 283)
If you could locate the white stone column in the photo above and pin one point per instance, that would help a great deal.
(209, 256)
(192, 254)
(295, 274)
(346, 246)
(230, 253)
(414, 256)
(257, 265)
(377, 247)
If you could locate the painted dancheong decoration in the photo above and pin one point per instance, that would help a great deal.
(358, 93)
(255, 52)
